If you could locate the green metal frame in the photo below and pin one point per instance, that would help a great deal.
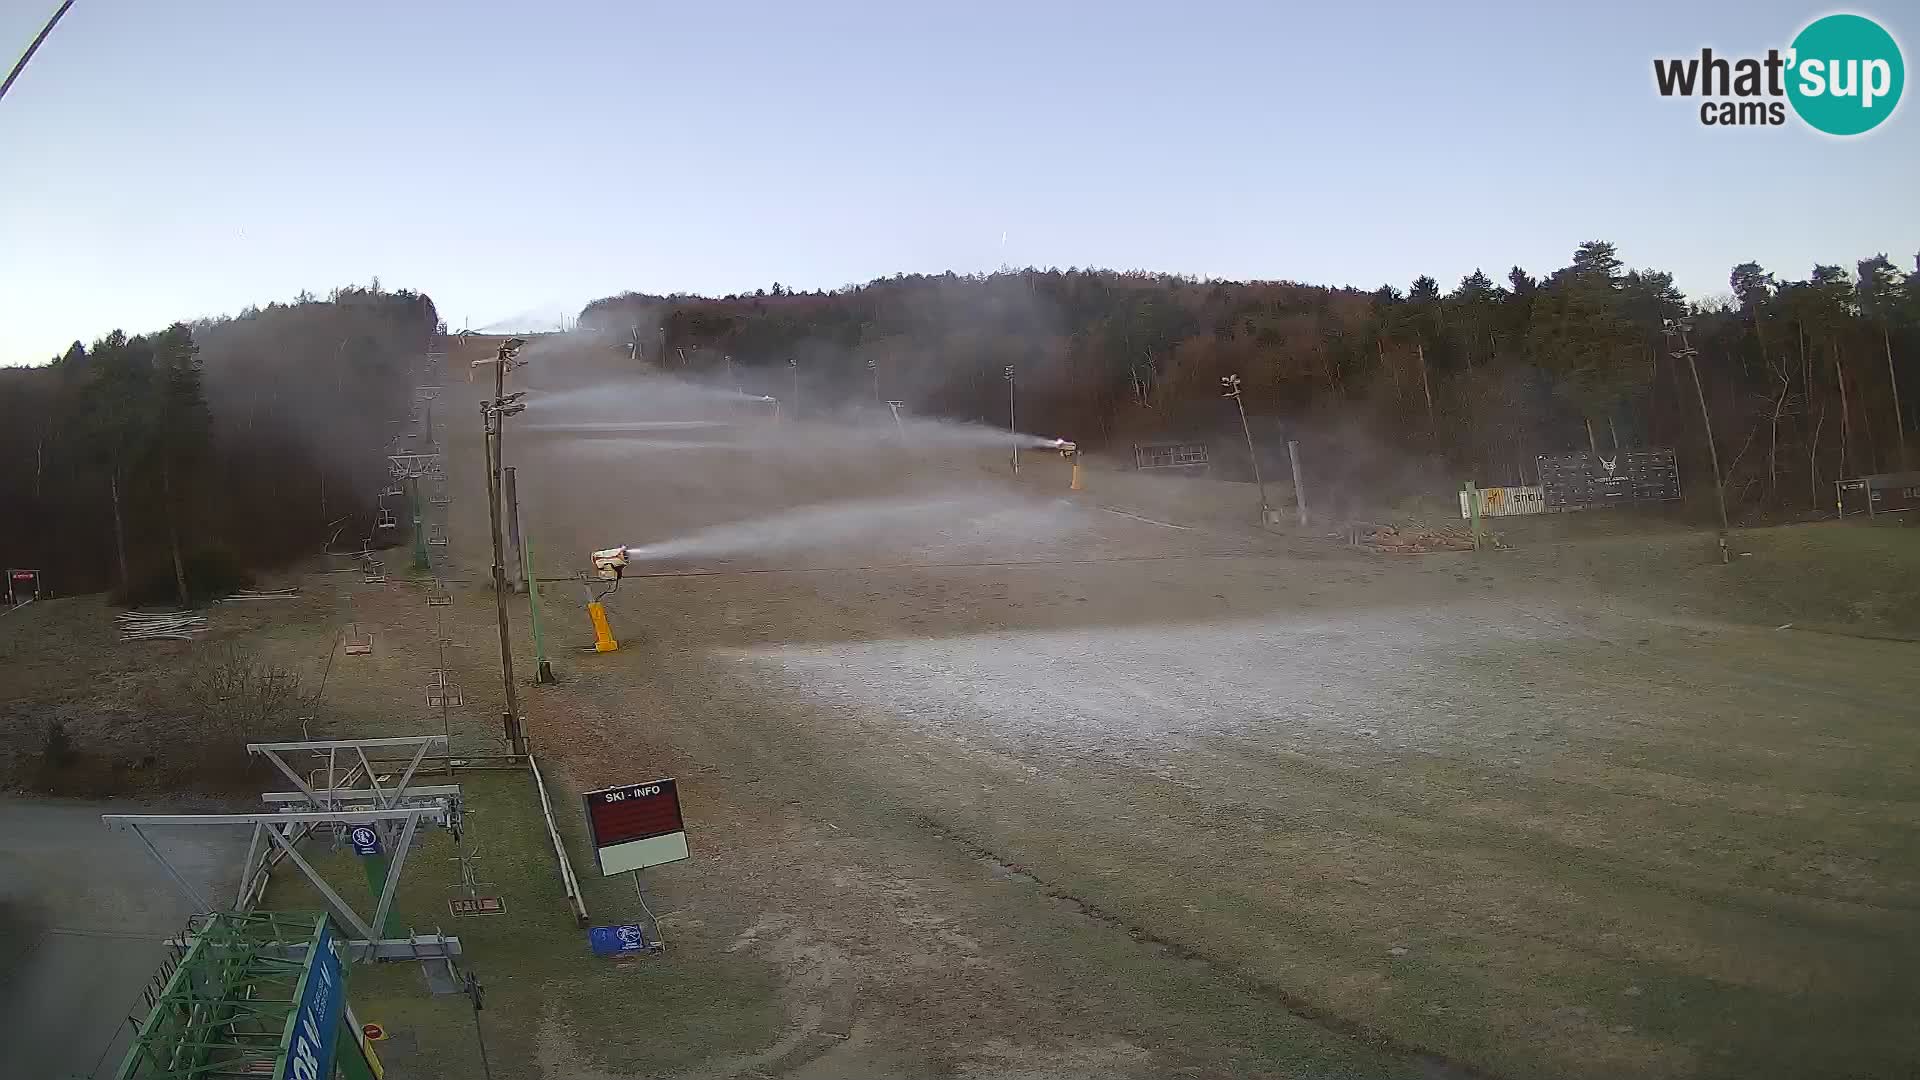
(541, 672)
(420, 559)
(227, 1007)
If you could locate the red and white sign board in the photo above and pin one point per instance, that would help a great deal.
(636, 826)
(22, 586)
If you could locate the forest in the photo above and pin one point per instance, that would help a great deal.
(167, 466)
(1803, 378)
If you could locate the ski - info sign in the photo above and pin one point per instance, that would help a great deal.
(636, 826)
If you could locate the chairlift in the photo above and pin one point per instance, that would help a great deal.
(392, 491)
(386, 519)
(441, 692)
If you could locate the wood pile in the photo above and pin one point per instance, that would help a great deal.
(167, 626)
(1418, 539)
(261, 594)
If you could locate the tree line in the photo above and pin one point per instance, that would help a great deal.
(1806, 380)
(166, 466)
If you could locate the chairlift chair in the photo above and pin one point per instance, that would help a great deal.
(442, 692)
(386, 519)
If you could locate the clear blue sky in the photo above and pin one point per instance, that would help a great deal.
(161, 160)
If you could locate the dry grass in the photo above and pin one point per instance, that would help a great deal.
(159, 716)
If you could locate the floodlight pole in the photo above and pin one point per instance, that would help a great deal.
(1012, 431)
(1232, 384)
(1679, 329)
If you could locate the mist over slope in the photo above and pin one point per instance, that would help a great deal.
(1402, 387)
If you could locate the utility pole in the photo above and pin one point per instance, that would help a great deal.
(493, 412)
(1011, 429)
(1232, 385)
(795, 366)
(1679, 330)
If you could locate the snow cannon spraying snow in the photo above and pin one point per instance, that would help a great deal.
(610, 563)
(1071, 451)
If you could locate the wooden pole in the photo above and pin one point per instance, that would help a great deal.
(516, 739)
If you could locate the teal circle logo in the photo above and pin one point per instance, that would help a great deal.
(1846, 76)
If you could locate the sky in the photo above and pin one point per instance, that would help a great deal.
(163, 161)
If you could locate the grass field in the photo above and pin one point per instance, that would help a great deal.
(1850, 578)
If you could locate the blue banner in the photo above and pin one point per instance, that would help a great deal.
(617, 940)
(317, 1020)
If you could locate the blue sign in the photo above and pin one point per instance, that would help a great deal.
(366, 840)
(317, 1021)
(618, 940)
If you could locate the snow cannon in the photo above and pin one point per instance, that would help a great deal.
(1071, 451)
(610, 563)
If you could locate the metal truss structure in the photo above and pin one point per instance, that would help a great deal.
(226, 1005)
(404, 466)
(395, 811)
